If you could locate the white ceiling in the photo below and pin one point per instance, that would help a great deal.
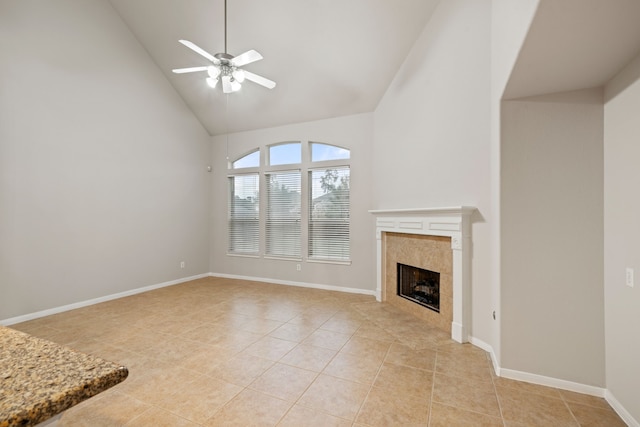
(329, 57)
(575, 44)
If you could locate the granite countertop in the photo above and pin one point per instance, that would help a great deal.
(39, 379)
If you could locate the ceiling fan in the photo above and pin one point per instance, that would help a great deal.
(226, 67)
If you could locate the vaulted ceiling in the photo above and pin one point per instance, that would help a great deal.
(333, 58)
(575, 44)
(329, 58)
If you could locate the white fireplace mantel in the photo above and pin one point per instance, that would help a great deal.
(450, 222)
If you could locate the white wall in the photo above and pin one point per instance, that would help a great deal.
(353, 132)
(622, 236)
(552, 237)
(432, 133)
(103, 182)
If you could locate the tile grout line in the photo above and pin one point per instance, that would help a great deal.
(433, 387)
(495, 390)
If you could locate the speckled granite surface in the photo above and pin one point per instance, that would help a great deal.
(39, 379)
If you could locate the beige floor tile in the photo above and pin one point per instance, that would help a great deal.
(335, 396)
(361, 368)
(300, 416)
(404, 380)
(533, 409)
(342, 325)
(309, 318)
(358, 345)
(476, 396)
(241, 369)
(584, 399)
(447, 416)
(175, 350)
(260, 326)
(201, 399)
(216, 350)
(270, 348)
(382, 408)
(250, 408)
(327, 339)
(107, 409)
(234, 339)
(205, 362)
(157, 417)
(281, 314)
(309, 357)
(463, 367)
(203, 332)
(152, 387)
(400, 354)
(174, 325)
(370, 331)
(284, 381)
(590, 416)
(141, 340)
(292, 332)
(528, 387)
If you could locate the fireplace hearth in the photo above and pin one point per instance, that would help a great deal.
(419, 286)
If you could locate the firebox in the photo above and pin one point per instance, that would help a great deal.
(420, 286)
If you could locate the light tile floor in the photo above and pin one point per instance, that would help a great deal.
(237, 353)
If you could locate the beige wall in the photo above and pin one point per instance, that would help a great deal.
(510, 22)
(552, 236)
(622, 235)
(103, 182)
(432, 134)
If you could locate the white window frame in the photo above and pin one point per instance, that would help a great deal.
(305, 168)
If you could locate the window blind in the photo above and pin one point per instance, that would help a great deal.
(244, 230)
(329, 216)
(283, 214)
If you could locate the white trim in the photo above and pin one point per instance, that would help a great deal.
(489, 349)
(455, 210)
(61, 309)
(620, 410)
(557, 383)
(298, 284)
(552, 382)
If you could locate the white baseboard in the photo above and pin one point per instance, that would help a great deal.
(371, 292)
(56, 310)
(617, 406)
(489, 349)
(552, 382)
(556, 383)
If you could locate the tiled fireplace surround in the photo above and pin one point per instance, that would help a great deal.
(436, 239)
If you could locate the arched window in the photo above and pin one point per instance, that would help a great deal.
(307, 194)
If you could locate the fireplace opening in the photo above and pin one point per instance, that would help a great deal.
(420, 286)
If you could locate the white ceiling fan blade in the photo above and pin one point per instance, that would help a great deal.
(270, 84)
(194, 47)
(188, 70)
(246, 58)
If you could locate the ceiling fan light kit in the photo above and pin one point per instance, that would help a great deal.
(226, 67)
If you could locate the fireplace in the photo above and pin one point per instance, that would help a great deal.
(437, 240)
(419, 286)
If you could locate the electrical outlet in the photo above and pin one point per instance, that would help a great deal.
(298, 267)
(182, 264)
(629, 278)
